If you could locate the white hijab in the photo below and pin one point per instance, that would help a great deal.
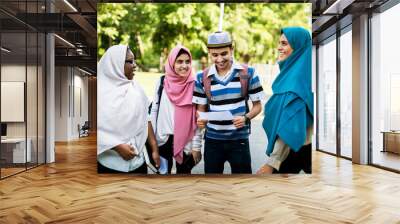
(122, 104)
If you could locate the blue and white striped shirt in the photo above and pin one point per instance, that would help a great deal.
(226, 96)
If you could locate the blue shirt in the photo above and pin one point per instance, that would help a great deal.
(226, 96)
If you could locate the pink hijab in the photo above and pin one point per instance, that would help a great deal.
(180, 92)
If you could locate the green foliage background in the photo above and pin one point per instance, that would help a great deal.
(149, 28)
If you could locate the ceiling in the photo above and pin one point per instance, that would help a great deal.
(74, 22)
(330, 15)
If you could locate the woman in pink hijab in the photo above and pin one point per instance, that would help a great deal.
(173, 115)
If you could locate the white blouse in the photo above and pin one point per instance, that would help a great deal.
(164, 124)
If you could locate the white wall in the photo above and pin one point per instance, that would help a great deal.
(79, 112)
(81, 82)
(33, 126)
(14, 73)
(71, 94)
(61, 103)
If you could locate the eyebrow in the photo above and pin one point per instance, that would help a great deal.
(181, 60)
(224, 52)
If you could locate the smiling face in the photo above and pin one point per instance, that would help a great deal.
(182, 65)
(284, 48)
(221, 57)
(130, 65)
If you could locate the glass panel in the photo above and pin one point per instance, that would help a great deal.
(23, 87)
(31, 98)
(13, 86)
(346, 94)
(41, 99)
(385, 89)
(32, 84)
(327, 96)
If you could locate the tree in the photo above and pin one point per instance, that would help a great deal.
(149, 28)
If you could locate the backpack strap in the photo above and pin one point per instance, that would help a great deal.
(159, 92)
(207, 84)
(244, 81)
(160, 89)
(244, 85)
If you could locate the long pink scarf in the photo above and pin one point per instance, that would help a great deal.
(180, 92)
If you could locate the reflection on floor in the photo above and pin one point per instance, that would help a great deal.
(386, 159)
(10, 169)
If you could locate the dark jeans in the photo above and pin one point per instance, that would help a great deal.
(167, 152)
(140, 170)
(236, 152)
(297, 161)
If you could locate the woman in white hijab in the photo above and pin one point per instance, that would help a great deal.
(122, 127)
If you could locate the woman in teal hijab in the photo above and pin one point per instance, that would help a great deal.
(288, 116)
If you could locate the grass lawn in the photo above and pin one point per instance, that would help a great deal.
(148, 81)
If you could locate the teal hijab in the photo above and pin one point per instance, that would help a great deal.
(289, 112)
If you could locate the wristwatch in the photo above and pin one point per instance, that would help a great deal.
(246, 119)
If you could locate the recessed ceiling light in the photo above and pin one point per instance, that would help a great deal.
(86, 72)
(65, 41)
(70, 5)
(338, 6)
(5, 50)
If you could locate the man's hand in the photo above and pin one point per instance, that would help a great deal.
(239, 122)
(126, 151)
(196, 156)
(201, 123)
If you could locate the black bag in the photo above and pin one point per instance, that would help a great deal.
(159, 92)
(188, 161)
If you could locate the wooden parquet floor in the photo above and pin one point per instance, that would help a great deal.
(71, 191)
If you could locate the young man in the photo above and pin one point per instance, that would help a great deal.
(227, 90)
